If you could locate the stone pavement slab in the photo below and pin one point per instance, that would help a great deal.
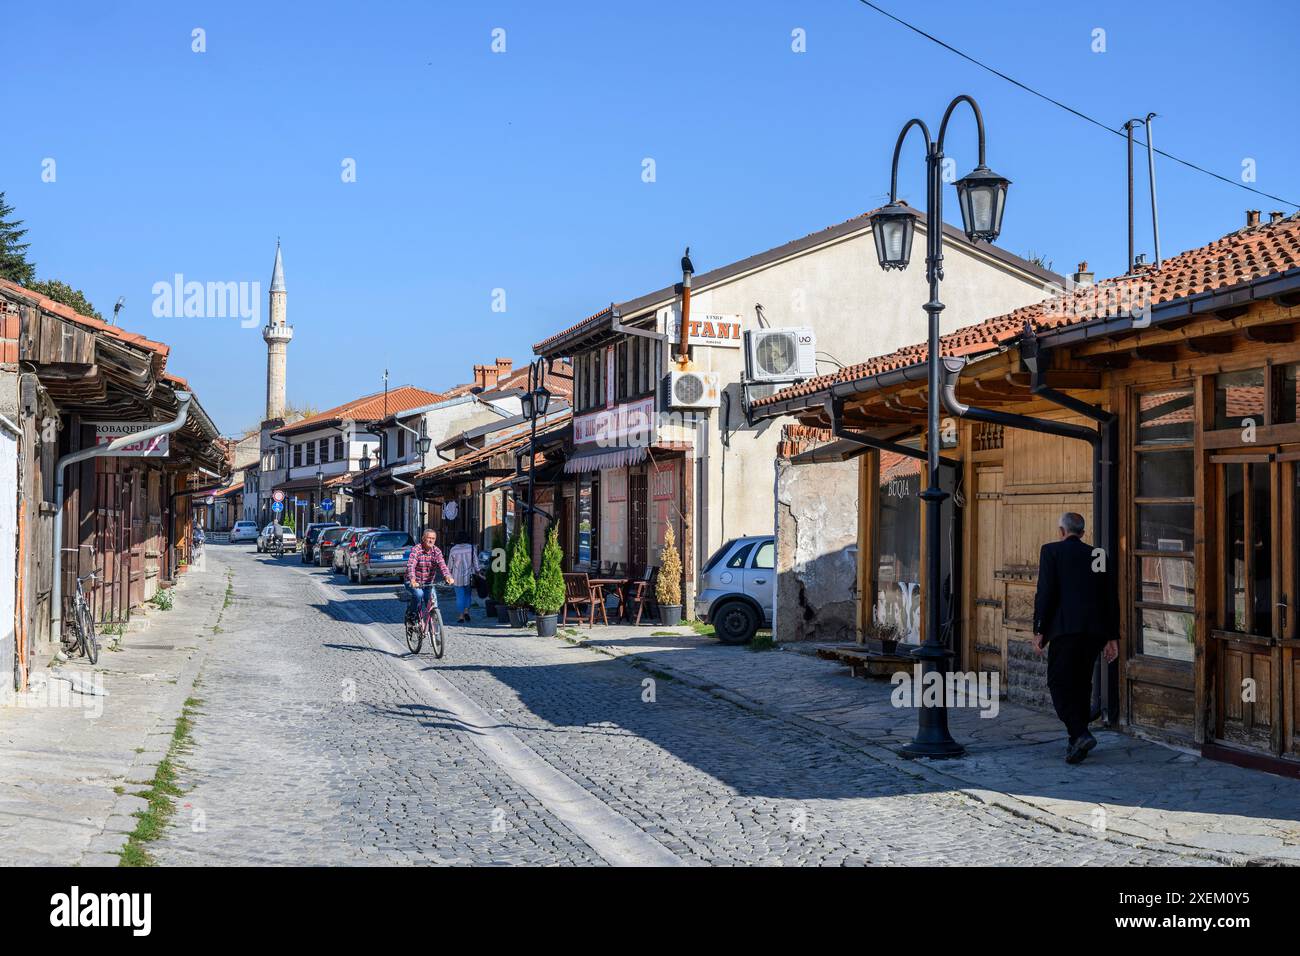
(79, 743)
(1128, 785)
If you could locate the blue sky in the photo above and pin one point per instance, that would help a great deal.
(522, 171)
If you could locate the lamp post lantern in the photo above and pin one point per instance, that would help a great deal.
(982, 196)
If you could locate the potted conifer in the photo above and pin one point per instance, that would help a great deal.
(668, 585)
(496, 576)
(520, 582)
(548, 596)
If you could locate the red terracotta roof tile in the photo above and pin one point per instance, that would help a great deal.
(368, 408)
(1241, 256)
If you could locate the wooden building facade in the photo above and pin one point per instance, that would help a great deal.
(126, 519)
(1164, 406)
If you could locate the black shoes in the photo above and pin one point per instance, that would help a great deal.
(1079, 748)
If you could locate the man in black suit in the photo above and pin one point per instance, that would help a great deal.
(1075, 613)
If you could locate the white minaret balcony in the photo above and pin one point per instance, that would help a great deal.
(277, 333)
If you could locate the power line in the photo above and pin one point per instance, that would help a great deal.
(1065, 106)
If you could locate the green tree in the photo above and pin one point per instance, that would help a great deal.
(520, 582)
(548, 596)
(62, 292)
(13, 251)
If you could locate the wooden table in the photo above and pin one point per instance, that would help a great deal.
(618, 584)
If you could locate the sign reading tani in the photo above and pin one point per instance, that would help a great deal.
(713, 329)
(156, 447)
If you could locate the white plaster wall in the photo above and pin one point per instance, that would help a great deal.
(858, 311)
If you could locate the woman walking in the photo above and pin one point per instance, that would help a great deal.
(464, 565)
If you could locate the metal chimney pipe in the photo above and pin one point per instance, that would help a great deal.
(1151, 172)
(683, 349)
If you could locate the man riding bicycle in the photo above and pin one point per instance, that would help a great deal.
(424, 561)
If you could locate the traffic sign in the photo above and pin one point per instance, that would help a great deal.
(277, 506)
(278, 496)
(327, 505)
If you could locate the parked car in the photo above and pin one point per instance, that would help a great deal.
(266, 540)
(345, 544)
(313, 534)
(243, 531)
(326, 544)
(354, 553)
(737, 588)
(383, 555)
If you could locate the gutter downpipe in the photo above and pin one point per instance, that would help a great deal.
(1104, 442)
(85, 454)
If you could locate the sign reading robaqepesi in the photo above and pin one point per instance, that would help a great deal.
(107, 432)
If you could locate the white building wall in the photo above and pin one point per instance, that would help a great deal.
(858, 311)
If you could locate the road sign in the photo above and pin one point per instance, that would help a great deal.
(327, 505)
(277, 506)
(278, 496)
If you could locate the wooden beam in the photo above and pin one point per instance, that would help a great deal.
(1212, 344)
(1157, 353)
(1228, 313)
(1271, 333)
(1079, 378)
(1287, 300)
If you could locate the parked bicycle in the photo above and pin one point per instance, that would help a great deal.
(80, 636)
(426, 626)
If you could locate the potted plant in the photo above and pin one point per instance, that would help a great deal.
(880, 638)
(520, 582)
(668, 585)
(548, 596)
(500, 560)
(495, 581)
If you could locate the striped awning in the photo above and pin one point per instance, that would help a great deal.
(598, 459)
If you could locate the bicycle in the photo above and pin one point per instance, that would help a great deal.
(427, 626)
(83, 624)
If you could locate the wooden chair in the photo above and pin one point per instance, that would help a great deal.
(641, 592)
(579, 591)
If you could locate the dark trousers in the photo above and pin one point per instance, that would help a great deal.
(1069, 677)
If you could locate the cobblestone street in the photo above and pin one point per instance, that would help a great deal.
(320, 740)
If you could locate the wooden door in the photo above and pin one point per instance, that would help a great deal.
(1253, 638)
(638, 532)
(990, 635)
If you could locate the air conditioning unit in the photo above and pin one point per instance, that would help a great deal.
(692, 390)
(780, 355)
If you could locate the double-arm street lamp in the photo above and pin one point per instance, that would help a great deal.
(982, 196)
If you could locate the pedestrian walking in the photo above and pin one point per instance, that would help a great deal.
(464, 565)
(1075, 616)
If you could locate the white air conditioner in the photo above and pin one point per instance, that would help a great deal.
(780, 355)
(692, 390)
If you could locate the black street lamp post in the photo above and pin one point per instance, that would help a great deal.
(982, 196)
(320, 493)
(534, 404)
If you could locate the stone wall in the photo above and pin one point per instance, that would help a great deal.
(816, 550)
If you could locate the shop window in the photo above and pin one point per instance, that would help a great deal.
(1163, 521)
(898, 547)
(1238, 397)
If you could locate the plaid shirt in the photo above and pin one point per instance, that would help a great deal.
(420, 565)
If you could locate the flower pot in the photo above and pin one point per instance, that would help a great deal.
(546, 624)
(881, 645)
(503, 614)
(518, 617)
(670, 615)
